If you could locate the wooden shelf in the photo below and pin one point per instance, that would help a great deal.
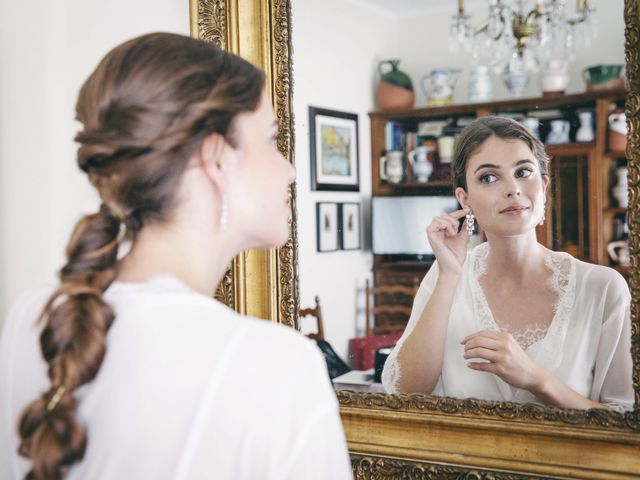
(565, 149)
(428, 188)
(610, 153)
(529, 104)
(616, 210)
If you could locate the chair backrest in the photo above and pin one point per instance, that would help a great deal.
(315, 312)
(379, 308)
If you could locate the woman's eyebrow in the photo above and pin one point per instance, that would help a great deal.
(486, 165)
(491, 165)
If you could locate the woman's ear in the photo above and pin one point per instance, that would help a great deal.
(211, 158)
(545, 184)
(462, 197)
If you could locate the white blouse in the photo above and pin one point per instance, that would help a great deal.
(587, 344)
(188, 389)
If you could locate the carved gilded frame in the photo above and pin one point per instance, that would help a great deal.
(260, 283)
(416, 436)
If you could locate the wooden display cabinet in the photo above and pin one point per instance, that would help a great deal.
(581, 214)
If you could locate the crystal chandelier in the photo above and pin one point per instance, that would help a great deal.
(514, 38)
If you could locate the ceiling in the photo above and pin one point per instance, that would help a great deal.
(405, 7)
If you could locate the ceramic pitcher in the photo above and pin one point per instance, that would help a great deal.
(559, 132)
(419, 160)
(585, 133)
(619, 252)
(438, 86)
(480, 87)
(391, 168)
(532, 125)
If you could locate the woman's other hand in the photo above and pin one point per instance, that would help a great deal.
(503, 357)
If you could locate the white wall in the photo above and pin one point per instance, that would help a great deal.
(336, 48)
(47, 49)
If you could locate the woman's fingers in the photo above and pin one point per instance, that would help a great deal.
(493, 335)
(483, 353)
(481, 341)
(483, 367)
(440, 224)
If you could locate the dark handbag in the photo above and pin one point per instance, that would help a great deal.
(335, 365)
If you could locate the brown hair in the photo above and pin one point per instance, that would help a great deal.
(145, 110)
(478, 131)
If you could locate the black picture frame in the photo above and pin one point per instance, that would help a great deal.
(327, 227)
(349, 226)
(334, 150)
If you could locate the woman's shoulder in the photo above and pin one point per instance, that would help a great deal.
(599, 273)
(595, 278)
(169, 306)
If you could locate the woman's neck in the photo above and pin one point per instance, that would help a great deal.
(515, 260)
(197, 260)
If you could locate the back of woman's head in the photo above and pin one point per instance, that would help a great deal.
(144, 110)
(478, 131)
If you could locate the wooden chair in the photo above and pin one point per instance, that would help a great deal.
(380, 308)
(335, 365)
(315, 312)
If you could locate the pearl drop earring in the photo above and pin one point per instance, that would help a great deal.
(224, 212)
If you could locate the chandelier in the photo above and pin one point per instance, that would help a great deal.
(517, 38)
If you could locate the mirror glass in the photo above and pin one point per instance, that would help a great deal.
(362, 220)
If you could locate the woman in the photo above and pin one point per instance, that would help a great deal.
(510, 319)
(134, 371)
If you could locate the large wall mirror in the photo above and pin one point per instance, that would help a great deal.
(331, 52)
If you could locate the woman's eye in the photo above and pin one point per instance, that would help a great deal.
(523, 173)
(488, 178)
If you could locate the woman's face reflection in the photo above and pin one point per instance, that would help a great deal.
(505, 187)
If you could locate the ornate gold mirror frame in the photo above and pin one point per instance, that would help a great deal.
(416, 436)
(260, 283)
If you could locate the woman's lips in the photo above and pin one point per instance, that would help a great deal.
(514, 210)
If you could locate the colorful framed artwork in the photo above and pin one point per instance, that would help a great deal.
(334, 150)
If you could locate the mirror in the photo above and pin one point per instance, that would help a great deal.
(338, 71)
(392, 436)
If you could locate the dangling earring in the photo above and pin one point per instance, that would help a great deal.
(224, 212)
(544, 213)
(471, 221)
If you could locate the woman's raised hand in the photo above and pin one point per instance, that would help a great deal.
(449, 245)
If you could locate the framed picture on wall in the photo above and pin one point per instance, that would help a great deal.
(327, 227)
(334, 150)
(349, 226)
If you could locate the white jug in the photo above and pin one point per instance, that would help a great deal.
(559, 132)
(391, 168)
(585, 133)
(554, 77)
(620, 191)
(480, 87)
(619, 252)
(419, 160)
(532, 125)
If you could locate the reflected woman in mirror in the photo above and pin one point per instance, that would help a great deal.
(510, 319)
(133, 370)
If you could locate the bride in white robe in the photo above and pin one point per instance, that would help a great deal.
(572, 347)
